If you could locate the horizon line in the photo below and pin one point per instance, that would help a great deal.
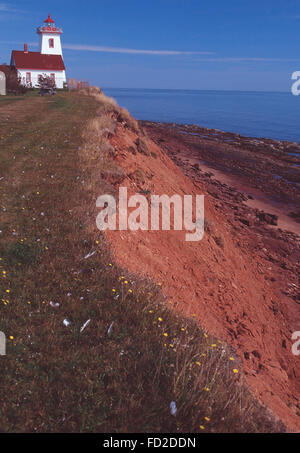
(193, 89)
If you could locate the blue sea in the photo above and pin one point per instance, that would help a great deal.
(251, 113)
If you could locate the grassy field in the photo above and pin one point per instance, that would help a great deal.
(121, 372)
(9, 99)
(4, 100)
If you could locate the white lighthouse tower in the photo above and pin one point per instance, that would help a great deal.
(50, 38)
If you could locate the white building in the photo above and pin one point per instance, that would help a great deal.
(49, 60)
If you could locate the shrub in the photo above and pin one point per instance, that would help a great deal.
(46, 83)
(13, 82)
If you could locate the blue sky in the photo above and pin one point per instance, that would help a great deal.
(188, 44)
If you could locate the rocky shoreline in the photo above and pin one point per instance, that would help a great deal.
(270, 166)
(255, 184)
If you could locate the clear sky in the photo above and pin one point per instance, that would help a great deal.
(189, 44)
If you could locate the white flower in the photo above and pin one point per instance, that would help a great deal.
(173, 408)
(85, 325)
(90, 254)
(54, 304)
(109, 332)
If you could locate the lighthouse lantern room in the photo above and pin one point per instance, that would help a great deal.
(48, 61)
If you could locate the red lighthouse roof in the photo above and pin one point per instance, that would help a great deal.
(49, 20)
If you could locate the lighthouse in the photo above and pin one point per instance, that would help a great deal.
(48, 61)
(50, 38)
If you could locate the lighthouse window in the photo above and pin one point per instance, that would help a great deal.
(51, 43)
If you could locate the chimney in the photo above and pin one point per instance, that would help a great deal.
(25, 48)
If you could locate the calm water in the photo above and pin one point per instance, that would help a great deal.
(256, 114)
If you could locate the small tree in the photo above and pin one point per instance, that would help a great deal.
(46, 84)
(13, 81)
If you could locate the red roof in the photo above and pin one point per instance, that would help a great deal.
(49, 20)
(36, 60)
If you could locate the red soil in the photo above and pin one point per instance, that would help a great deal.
(228, 289)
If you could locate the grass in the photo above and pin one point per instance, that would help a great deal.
(136, 355)
(5, 100)
(10, 98)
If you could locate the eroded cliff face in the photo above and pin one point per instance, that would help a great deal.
(221, 280)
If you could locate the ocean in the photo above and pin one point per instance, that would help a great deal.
(250, 113)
